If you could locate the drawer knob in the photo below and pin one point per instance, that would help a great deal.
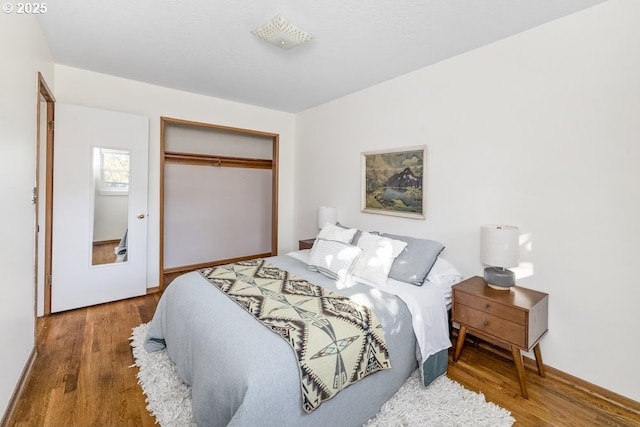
(485, 323)
(486, 306)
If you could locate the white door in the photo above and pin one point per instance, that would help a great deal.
(96, 205)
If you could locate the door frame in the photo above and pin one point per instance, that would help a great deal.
(44, 93)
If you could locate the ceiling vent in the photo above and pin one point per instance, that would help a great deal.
(282, 34)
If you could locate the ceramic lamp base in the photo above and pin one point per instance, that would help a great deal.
(499, 278)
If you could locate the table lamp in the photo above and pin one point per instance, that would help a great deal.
(499, 250)
(327, 214)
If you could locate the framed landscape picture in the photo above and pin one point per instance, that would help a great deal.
(393, 182)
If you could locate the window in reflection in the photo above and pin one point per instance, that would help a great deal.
(114, 170)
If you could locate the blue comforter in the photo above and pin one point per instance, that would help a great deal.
(242, 374)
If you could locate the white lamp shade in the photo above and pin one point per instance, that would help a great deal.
(499, 245)
(327, 215)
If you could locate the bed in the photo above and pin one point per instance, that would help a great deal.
(243, 374)
(121, 250)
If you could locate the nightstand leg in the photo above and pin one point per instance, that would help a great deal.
(461, 335)
(517, 358)
(538, 353)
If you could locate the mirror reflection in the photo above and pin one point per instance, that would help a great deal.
(111, 205)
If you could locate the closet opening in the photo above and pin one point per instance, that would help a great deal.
(218, 195)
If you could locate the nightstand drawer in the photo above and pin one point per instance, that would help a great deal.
(506, 312)
(495, 326)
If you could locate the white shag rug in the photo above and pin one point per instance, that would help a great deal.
(443, 403)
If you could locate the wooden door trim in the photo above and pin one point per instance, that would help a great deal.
(44, 92)
(274, 200)
(189, 123)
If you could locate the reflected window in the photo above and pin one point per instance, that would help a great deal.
(114, 171)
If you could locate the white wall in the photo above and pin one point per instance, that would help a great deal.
(540, 130)
(24, 53)
(110, 217)
(76, 86)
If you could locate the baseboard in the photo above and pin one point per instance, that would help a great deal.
(187, 268)
(19, 388)
(153, 290)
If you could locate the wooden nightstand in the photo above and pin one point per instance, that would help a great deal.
(306, 244)
(517, 317)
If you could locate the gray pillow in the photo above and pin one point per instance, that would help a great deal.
(415, 261)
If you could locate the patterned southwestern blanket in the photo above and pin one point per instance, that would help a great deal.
(335, 340)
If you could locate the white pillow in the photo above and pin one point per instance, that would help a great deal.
(339, 234)
(378, 254)
(333, 259)
(443, 274)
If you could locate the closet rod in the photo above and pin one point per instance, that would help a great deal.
(213, 160)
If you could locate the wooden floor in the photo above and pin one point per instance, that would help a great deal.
(82, 377)
(556, 400)
(103, 252)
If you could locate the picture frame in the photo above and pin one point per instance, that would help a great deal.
(393, 182)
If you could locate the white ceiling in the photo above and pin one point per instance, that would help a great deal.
(206, 46)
